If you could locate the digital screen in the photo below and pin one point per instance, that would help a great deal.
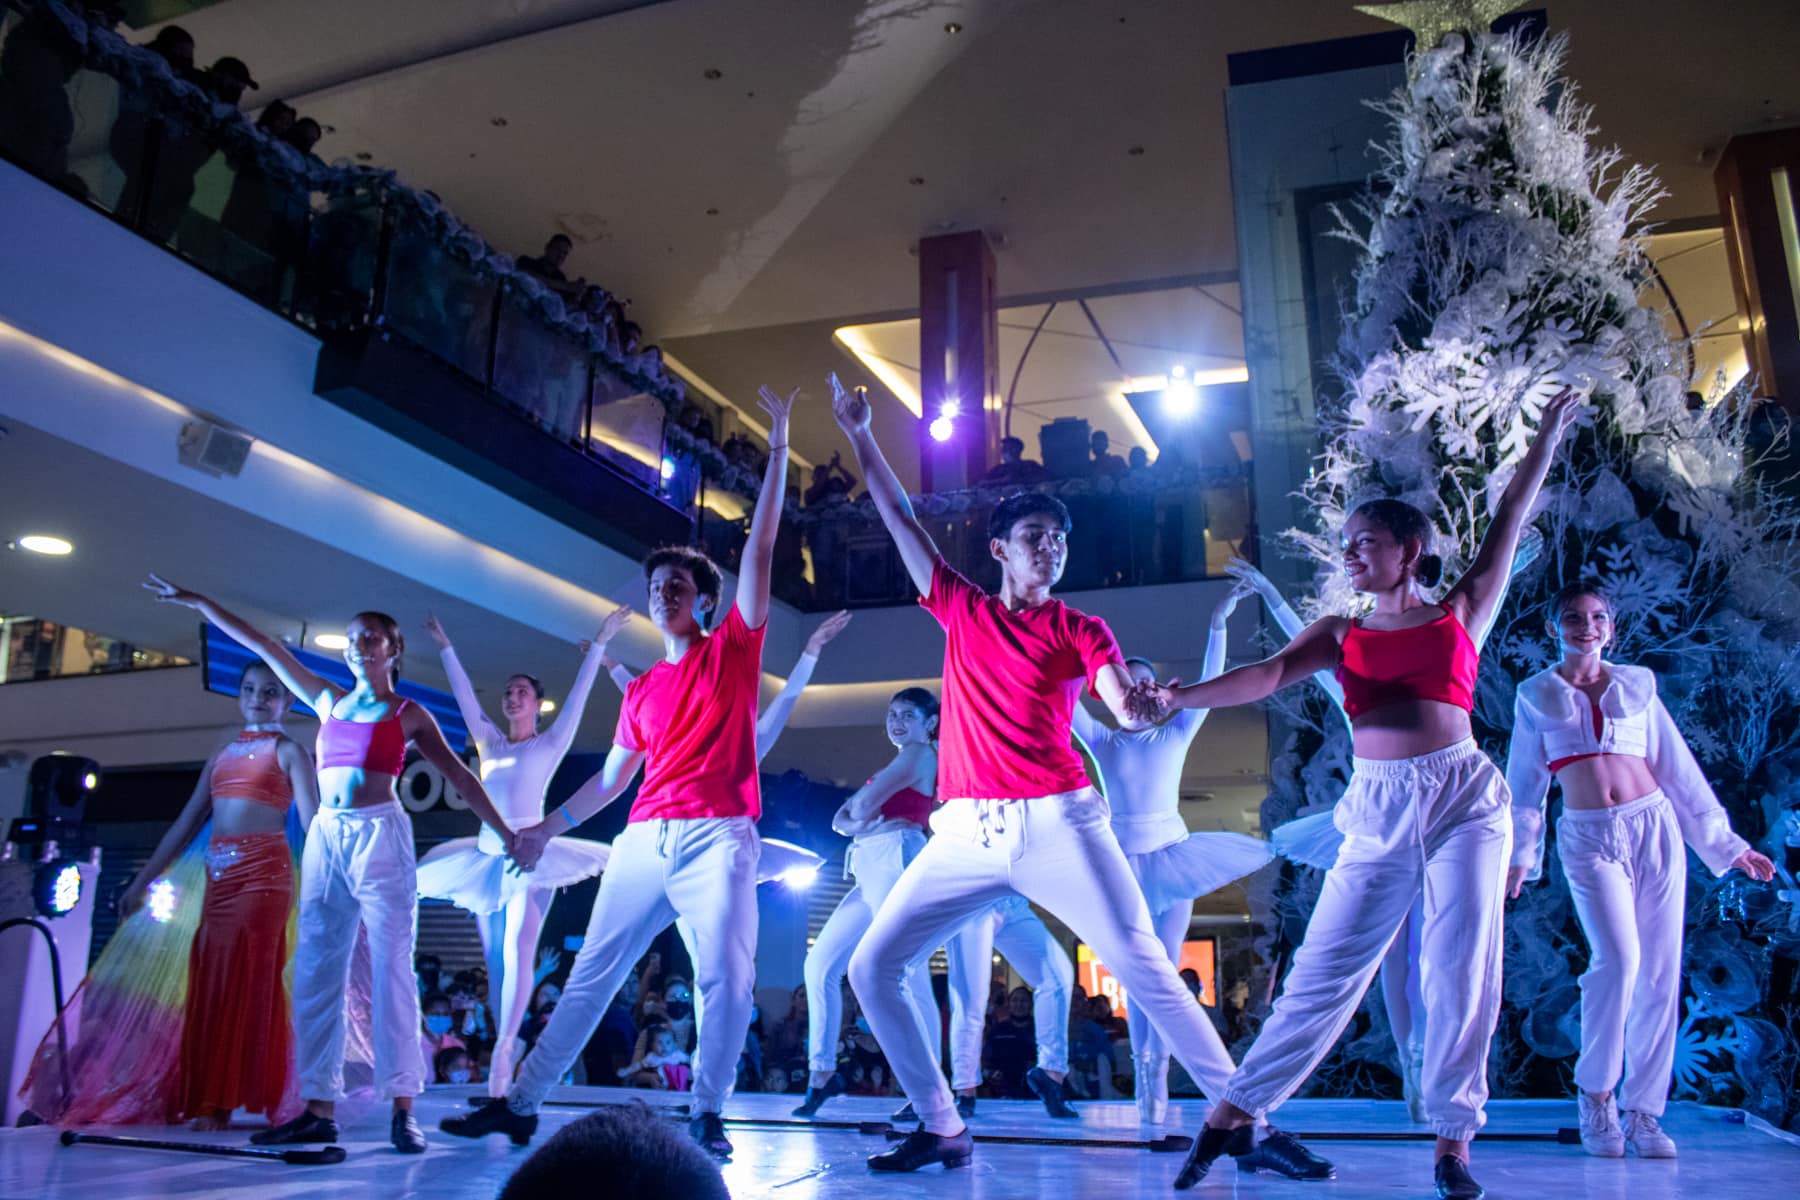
(1199, 954)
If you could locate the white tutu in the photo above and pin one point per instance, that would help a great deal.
(1197, 864)
(462, 872)
(781, 858)
(1311, 841)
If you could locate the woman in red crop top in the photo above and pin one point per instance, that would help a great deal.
(887, 817)
(1632, 794)
(219, 936)
(358, 864)
(1425, 810)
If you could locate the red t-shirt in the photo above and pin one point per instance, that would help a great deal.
(695, 721)
(1011, 681)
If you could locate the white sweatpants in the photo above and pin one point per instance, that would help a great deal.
(702, 870)
(358, 865)
(1627, 872)
(1438, 822)
(1011, 928)
(877, 862)
(1057, 851)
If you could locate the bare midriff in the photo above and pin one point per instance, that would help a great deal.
(1605, 781)
(1409, 729)
(235, 816)
(356, 787)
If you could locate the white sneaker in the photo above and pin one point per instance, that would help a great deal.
(1600, 1133)
(1645, 1137)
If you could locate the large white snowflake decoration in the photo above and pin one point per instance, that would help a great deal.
(1700, 1053)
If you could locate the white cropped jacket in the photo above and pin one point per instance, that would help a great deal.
(1552, 719)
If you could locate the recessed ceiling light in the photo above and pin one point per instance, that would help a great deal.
(546, 706)
(952, 27)
(43, 543)
(331, 641)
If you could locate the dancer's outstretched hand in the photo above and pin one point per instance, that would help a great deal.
(436, 629)
(850, 407)
(528, 846)
(167, 592)
(1229, 604)
(1515, 881)
(1254, 579)
(1559, 413)
(829, 628)
(779, 408)
(609, 629)
(1756, 866)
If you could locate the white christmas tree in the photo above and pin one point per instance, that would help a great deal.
(1503, 258)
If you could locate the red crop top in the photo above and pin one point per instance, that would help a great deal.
(1433, 661)
(1557, 764)
(908, 804)
(247, 770)
(378, 746)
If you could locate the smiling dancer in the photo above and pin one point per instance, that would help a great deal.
(690, 848)
(1020, 814)
(358, 865)
(1140, 772)
(516, 765)
(1632, 793)
(1425, 809)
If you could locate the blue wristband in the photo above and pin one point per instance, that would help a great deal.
(564, 810)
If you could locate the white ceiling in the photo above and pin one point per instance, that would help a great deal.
(824, 110)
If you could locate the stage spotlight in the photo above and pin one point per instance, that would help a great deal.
(331, 641)
(1181, 399)
(800, 878)
(56, 886)
(941, 428)
(951, 408)
(1178, 371)
(161, 902)
(668, 469)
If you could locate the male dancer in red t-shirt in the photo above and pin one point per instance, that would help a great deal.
(1019, 813)
(690, 849)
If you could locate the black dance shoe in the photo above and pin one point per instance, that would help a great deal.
(1208, 1146)
(1283, 1154)
(492, 1117)
(1454, 1181)
(1050, 1091)
(708, 1130)
(405, 1133)
(817, 1096)
(965, 1107)
(921, 1149)
(304, 1128)
(905, 1115)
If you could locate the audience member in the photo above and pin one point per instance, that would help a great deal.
(1009, 1047)
(678, 1010)
(438, 1033)
(547, 267)
(453, 1064)
(657, 1062)
(629, 1151)
(36, 65)
(1014, 469)
(137, 134)
(427, 970)
(831, 483)
(611, 1046)
(1106, 464)
(787, 1047)
(227, 78)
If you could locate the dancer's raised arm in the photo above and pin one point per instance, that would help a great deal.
(917, 550)
(1476, 597)
(1316, 649)
(759, 548)
(774, 718)
(1287, 619)
(298, 678)
(593, 657)
(467, 703)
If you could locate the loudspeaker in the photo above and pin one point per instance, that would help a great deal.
(1063, 443)
(214, 449)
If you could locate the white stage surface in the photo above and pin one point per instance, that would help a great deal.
(781, 1159)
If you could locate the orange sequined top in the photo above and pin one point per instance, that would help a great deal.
(249, 769)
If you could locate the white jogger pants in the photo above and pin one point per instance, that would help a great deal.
(1627, 872)
(358, 865)
(877, 862)
(702, 870)
(1012, 929)
(1437, 822)
(1059, 852)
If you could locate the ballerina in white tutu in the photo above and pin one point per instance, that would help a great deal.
(1140, 774)
(516, 765)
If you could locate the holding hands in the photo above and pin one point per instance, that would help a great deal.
(527, 846)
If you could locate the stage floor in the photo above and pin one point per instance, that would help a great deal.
(797, 1163)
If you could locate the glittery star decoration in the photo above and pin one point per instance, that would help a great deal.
(1430, 20)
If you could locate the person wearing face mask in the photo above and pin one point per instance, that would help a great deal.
(690, 848)
(1632, 794)
(886, 819)
(428, 970)
(678, 1010)
(510, 906)
(454, 1065)
(439, 1027)
(212, 965)
(358, 866)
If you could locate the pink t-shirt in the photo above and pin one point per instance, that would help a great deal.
(1011, 681)
(695, 721)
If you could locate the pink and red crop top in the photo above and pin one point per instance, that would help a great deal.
(909, 804)
(247, 770)
(1433, 661)
(378, 746)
